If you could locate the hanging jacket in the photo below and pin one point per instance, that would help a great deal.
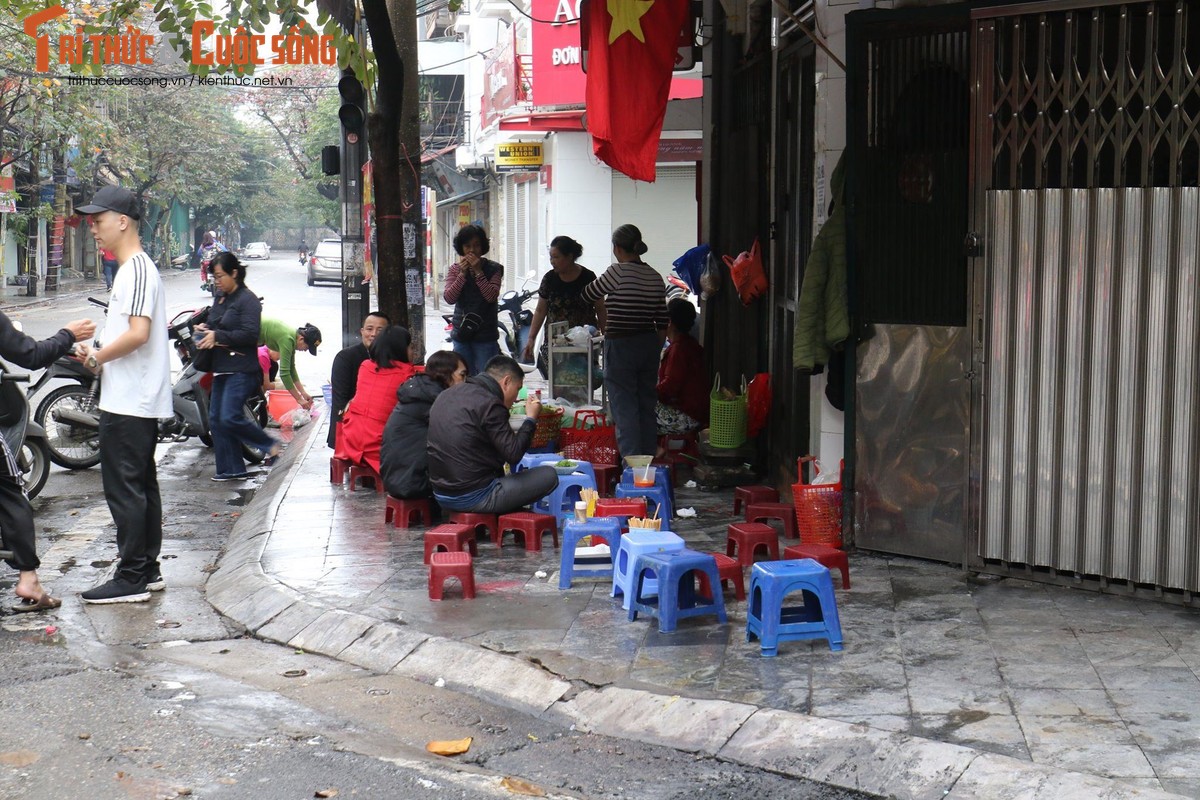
(822, 315)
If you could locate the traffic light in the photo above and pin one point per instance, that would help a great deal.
(352, 112)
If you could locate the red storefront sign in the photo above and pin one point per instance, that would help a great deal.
(558, 77)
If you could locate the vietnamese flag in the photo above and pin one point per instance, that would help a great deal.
(632, 46)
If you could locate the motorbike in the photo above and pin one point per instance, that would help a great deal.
(76, 408)
(183, 261)
(25, 438)
(520, 320)
(207, 254)
(68, 413)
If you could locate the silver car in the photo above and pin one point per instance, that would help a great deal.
(257, 250)
(325, 262)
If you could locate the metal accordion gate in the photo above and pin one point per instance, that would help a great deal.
(1086, 147)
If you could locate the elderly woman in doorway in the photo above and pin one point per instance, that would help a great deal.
(473, 284)
(634, 295)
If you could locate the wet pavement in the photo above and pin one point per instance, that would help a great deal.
(948, 683)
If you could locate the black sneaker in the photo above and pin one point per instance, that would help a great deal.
(235, 476)
(155, 583)
(116, 591)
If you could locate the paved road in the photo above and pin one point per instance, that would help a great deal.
(168, 698)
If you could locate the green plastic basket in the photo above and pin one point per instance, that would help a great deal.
(726, 418)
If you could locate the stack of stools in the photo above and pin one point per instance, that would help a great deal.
(633, 545)
(728, 569)
(476, 521)
(451, 537)
(677, 597)
(338, 469)
(766, 617)
(399, 511)
(824, 555)
(659, 494)
(561, 501)
(530, 524)
(606, 528)
(784, 512)
(622, 509)
(363, 472)
(451, 565)
(743, 538)
(745, 495)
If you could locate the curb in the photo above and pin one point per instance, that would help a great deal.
(826, 751)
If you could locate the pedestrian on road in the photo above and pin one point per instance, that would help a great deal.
(403, 461)
(635, 300)
(16, 515)
(109, 263)
(559, 297)
(470, 441)
(286, 340)
(343, 377)
(135, 392)
(379, 377)
(232, 334)
(473, 284)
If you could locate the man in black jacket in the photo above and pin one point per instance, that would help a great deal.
(16, 515)
(343, 377)
(470, 441)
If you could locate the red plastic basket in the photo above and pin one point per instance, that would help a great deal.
(548, 423)
(818, 508)
(597, 444)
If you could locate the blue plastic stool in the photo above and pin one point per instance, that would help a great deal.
(561, 501)
(634, 544)
(662, 477)
(658, 499)
(608, 527)
(766, 618)
(677, 596)
(531, 460)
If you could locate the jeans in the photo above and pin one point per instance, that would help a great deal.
(631, 375)
(477, 354)
(229, 424)
(110, 272)
(130, 479)
(507, 494)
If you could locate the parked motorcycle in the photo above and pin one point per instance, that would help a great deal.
(68, 413)
(26, 439)
(183, 261)
(520, 320)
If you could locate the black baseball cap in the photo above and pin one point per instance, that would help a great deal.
(112, 198)
(311, 335)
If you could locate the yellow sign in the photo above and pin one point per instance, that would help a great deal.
(518, 156)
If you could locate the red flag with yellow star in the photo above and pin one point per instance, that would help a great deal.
(632, 46)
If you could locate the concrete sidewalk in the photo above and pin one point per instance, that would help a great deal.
(949, 686)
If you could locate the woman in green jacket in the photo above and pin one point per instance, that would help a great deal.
(286, 340)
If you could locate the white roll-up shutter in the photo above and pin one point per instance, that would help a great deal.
(665, 211)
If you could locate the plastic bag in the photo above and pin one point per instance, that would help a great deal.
(579, 335)
(296, 418)
(747, 273)
(825, 477)
(758, 403)
(710, 279)
(691, 265)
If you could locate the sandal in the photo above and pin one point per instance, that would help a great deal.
(272, 456)
(43, 603)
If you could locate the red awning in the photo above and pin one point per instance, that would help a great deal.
(544, 121)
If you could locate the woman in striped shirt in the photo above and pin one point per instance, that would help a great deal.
(635, 300)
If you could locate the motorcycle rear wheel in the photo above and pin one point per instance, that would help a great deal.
(70, 446)
(34, 462)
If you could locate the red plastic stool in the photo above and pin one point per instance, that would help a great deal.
(451, 565)
(753, 494)
(401, 509)
(784, 512)
(338, 467)
(360, 472)
(729, 570)
(826, 556)
(622, 507)
(744, 538)
(475, 522)
(452, 537)
(607, 476)
(533, 526)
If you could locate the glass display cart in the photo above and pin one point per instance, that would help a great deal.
(574, 369)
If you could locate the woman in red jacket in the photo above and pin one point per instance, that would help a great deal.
(682, 385)
(361, 432)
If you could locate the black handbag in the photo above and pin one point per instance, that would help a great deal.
(203, 360)
(466, 326)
